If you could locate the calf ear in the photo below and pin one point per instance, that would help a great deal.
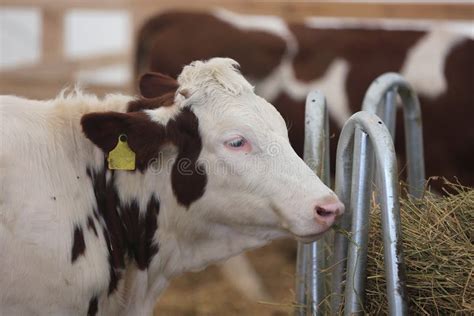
(144, 136)
(154, 84)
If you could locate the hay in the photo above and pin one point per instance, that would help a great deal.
(439, 255)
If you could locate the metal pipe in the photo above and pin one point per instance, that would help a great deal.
(388, 186)
(311, 260)
(301, 259)
(362, 175)
(388, 111)
(375, 96)
(317, 256)
(343, 191)
(361, 189)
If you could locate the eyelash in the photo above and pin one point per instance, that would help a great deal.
(237, 143)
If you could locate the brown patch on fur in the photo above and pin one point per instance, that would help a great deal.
(188, 178)
(78, 244)
(91, 225)
(193, 36)
(93, 307)
(112, 230)
(360, 47)
(140, 230)
(144, 136)
(155, 84)
(127, 234)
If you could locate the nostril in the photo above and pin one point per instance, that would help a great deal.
(324, 212)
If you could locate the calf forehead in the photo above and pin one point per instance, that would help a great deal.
(246, 112)
(218, 93)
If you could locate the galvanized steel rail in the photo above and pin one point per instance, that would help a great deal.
(380, 100)
(354, 186)
(310, 282)
(387, 186)
(384, 88)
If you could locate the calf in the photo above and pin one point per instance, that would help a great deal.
(214, 174)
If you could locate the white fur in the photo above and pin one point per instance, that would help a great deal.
(45, 192)
(424, 65)
(163, 114)
(332, 84)
(271, 24)
(464, 28)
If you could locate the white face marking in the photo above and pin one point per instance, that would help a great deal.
(259, 182)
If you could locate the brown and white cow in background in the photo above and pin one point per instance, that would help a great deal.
(341, 57)
(213, 170)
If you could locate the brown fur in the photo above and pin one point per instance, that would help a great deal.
(112, 231)
(188, 180)
(93, 306)
(448, 120)
(143, 136)
(78, 244)
(91, 225)
(140, 230)
(202, 36)
(155, 84)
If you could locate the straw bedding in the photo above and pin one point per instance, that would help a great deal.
(439, 255)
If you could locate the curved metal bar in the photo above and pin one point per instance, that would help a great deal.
(343, 184)
(389, 111)
(310, 285)
(388, 186)
(361, 188)
(374, 103)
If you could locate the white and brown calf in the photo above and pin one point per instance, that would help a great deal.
(215, 175)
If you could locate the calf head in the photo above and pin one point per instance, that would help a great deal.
(232, 165)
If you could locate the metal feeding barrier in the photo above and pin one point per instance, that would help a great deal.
(310, 284)
(363, 138)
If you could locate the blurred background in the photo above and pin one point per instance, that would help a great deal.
(47, 45)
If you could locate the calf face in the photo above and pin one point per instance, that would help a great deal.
(255, 179)
(232, 163)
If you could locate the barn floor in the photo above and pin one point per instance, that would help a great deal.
(208, 293)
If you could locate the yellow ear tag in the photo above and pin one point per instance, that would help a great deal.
(121, 157)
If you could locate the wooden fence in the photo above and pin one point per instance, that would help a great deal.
(55, 70)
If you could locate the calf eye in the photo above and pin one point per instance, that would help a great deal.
(239, 142)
